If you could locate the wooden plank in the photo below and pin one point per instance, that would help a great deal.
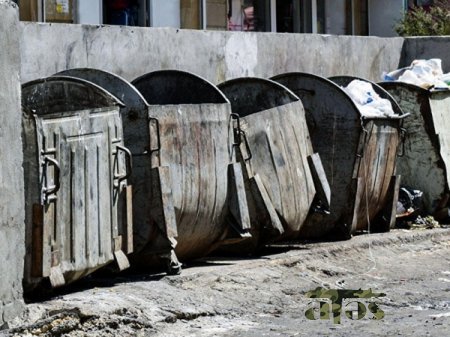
(320, 180)
(238, 200)
(359, 201)
(56, 277)
(266, 210)
(105, 196)
(37, 241)
(393, 192)
(129, 221)
(121, 260)
(162, 205)
(79, 208)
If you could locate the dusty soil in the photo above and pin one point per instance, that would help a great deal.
(264, 296)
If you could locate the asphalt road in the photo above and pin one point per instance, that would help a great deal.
(265, 296)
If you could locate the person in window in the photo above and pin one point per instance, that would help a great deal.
(249, 18)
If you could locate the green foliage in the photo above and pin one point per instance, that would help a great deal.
(418, 22)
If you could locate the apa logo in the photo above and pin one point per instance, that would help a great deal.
(355, 304)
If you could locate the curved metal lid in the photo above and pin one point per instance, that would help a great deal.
(113, 83)
(319, 89)
(249, 95)
(63, 93)
(167, 87)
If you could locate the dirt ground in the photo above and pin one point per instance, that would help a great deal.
(264, 296)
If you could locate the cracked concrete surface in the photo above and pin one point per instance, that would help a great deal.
(264, 296)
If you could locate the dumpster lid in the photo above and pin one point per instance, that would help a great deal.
(167, 87)
(291, 79)
(58, 94)
(115, 84)
(249, 95)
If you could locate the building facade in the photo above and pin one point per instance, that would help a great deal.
(340, 17)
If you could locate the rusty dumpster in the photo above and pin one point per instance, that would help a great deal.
(181, 152)
(192, 194)
(78, 202)
(359, 156)
(283, 174)
(427, 144)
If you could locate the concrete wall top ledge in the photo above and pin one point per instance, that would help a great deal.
(214, 55)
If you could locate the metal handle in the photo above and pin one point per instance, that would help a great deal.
(236, 131)
(247, 146)
(48, 190)
(128, 163)
(402, 139)
(158, 139)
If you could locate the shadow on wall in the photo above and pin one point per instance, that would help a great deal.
(426, 48)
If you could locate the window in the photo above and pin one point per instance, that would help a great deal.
(360, 17)
(121, 12)
(190, 11)
(341, 17)
(216, 14)
(249, 15)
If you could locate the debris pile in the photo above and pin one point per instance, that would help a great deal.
(427, 74)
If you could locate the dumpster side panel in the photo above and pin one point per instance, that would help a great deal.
(334, 126)
(375, 170)
(33, 207)
(422, 166)
(136, 137)
(81, 221)
(194, 145)
(280, 146)
(440, 109)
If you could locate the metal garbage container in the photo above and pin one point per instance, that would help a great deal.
(135, 119)
(76, 168)
(358, 154)
(192, 147)
(427, 143)
(195, 193)
(282, 172)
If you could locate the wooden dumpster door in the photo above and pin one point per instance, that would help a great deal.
(81, 224)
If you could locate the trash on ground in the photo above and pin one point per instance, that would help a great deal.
(369, 103)
(427, 74)
(419, 223)
(409, 202)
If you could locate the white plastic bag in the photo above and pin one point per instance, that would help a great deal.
(423, 73)
(369, 103)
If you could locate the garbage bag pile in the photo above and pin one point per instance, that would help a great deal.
(409, 202)
(369, 103)
(409, 211)
(427, 74)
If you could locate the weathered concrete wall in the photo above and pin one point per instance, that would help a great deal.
(426, 48)
(217, 56)
(12, 236)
